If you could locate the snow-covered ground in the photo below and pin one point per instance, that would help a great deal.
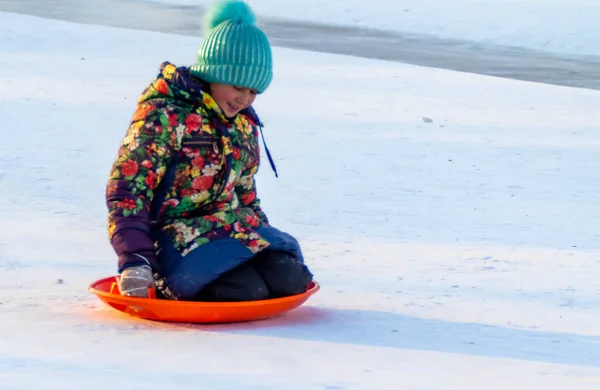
(459, 251)
(560, 26)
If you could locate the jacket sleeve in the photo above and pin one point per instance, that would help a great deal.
(140, 165)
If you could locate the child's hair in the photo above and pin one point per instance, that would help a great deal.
(234, 50)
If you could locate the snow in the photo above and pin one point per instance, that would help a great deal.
(456, 253)
(558, 26)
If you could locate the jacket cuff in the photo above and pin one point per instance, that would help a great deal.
(127, 260)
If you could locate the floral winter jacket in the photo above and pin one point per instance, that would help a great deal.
(185, 169)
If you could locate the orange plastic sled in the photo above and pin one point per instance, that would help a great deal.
(195, 312)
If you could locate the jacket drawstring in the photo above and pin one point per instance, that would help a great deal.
(260, 125)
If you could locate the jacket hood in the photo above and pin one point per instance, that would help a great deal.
(179, 87)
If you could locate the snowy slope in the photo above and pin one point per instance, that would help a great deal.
(455, 254)
(560, 26)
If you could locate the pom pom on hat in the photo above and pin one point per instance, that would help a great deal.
(224, 10)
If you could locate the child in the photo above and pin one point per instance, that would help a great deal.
(183, 213)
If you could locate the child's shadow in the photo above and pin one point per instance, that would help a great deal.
(382, 329)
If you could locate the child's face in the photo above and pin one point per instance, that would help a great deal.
(232, 99)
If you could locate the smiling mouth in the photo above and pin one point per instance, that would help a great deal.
(234, 108)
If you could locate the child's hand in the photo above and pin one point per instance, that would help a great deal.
(135, 281)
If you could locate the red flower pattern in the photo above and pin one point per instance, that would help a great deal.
(202, 183)
(188, 192)
(129, 168)
(127, 204)
(249, 197)
(151, 180)
(193, 123)
(198, 162)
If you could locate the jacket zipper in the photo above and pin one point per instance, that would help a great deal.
(197, 143)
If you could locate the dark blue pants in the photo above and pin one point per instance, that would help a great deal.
(226, 270)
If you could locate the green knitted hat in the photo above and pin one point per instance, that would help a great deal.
(234, 51)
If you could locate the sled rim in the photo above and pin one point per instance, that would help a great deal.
(312, 288)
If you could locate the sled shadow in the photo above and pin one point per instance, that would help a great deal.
(382, 329)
